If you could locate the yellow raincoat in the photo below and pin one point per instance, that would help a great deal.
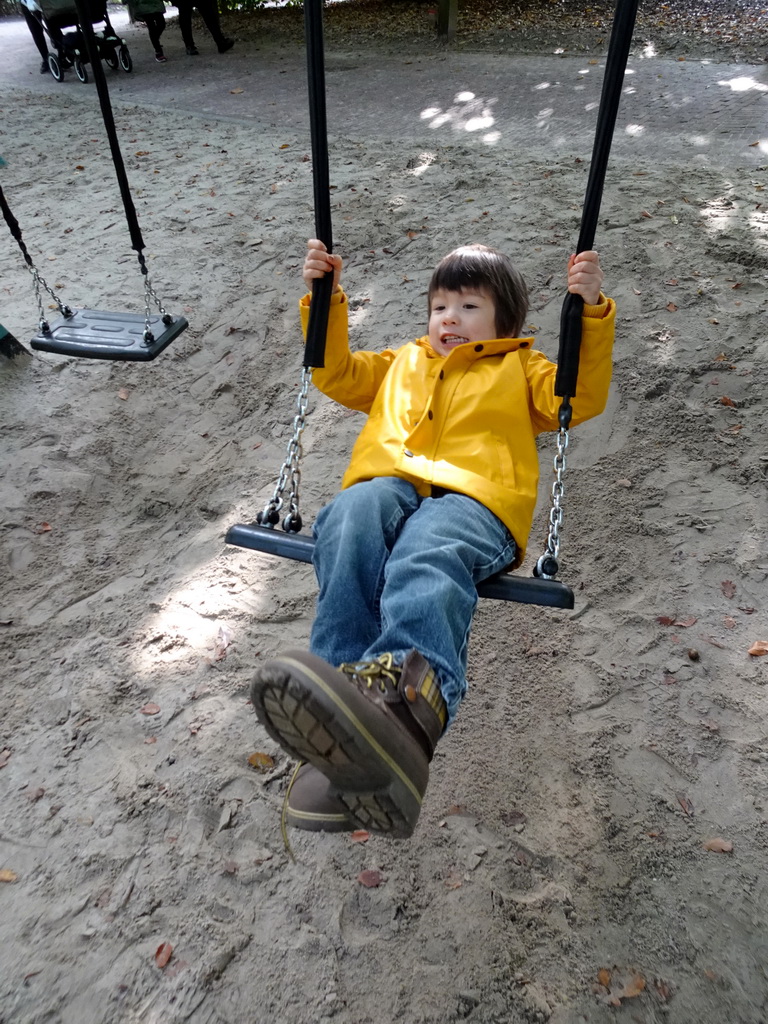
(467, 421)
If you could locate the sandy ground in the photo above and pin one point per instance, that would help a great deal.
(560, 870)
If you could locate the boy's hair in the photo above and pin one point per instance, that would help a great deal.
(479, 266)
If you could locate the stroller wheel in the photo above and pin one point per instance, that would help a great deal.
(125, 59)
(110, 59)
(80, 70)
(54, 68)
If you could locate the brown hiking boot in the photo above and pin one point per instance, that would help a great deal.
(370, 728)
(312, 804)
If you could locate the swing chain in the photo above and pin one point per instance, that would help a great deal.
(39, 280)
(149, 293)
(290, 471)
(547, 565)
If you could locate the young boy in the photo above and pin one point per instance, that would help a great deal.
(439, 495)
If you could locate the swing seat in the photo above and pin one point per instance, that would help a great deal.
(96, 334)
(502, 587)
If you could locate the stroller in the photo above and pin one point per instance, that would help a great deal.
(71, 52)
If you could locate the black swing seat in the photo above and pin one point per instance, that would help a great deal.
(503, 587)
(95, 334)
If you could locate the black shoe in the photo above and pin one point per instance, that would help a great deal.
(192, 51)
(44, 69)
(226, 44)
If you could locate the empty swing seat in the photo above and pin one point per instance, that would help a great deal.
(96, 334)
(503, 587)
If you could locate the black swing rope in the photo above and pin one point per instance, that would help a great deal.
(540, 589)
(94, 333)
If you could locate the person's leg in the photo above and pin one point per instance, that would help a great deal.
(38, 35)
(209, 12)
(155, 28)
(427, 604)
(371, 728)
(354, 535)
(185, 25)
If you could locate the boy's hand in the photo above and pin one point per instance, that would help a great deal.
(319, 262)
(585, 277)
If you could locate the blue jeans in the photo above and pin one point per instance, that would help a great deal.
(398, 572)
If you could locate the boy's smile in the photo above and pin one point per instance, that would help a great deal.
(458, 317)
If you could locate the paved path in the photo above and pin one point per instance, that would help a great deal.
(676, 110)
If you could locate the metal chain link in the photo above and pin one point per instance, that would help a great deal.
(547, 566)
(39, 280)
(149, 293)
(290, 471)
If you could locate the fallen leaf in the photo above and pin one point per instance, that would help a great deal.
(663, 989)
(604, 977)
(370, 878)
(718, 845)
(456, 809)
(513, 817)
(261, 762)
(711, 640)
(6, 875)
(729, 622)
(123, 394)
(685, 623)
(728, 588)
(44, 528)
(235, 92)
(285, 145)
(685, 803)
(5, 756)
(671, 307)
(452, 880)
(35, 794)
(142, 152)
(360, 835)
(758, 648)
(664, 620)
(621, 985)
(644, 213)
(221, 643)
(151, 739)
(163, 954)
(150, 709)
(725, 400)
(633, 987)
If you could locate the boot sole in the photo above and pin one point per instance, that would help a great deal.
(329, 723)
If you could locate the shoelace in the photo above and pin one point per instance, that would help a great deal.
(371, 672)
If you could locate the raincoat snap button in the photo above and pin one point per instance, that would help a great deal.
(408, 452)
(478, 348)
(410, 694)
(429, 414)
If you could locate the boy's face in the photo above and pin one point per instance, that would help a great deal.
(458, 317)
